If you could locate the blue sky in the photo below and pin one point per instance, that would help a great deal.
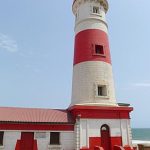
(36, 54)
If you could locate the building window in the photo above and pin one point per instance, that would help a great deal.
(99, 50)
(96, 10)
(1, 137)
(102, 90)
(55, 138)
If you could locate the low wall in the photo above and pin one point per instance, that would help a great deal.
(143, 147)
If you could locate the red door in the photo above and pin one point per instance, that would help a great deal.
(27, 140)
(105, 137)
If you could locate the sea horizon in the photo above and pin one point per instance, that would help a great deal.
(142, 134)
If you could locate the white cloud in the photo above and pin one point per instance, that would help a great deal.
(136, 86)
(8, 44)
(144, 84)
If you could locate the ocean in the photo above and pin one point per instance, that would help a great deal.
(142, 134)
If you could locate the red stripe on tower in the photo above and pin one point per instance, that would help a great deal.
(91, 45)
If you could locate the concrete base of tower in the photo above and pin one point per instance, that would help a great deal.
(102, 126)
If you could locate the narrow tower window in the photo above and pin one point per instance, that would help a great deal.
(99, 49)
(1, 137)
(55, 138)
(101, 90)
(96, 10)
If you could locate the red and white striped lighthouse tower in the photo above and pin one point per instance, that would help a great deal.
(92, 73)
(100, 121)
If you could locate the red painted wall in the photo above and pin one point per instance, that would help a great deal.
(38, 126)
(116, 147)
(35, 145)
(96, 141)
(116, 141)
(17, 145)
(84, 149)
(127, 147)
(98, 112)
(27, 141)
(85, 45)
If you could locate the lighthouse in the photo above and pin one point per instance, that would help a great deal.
(93, 82)
(100, 120)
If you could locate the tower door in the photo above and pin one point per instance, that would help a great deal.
(105, 137)
(27, 140)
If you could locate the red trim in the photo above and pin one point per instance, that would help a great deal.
(35, 147)
(18, 145)
(117, 147)
(101, 107)
(96, 141)
(128, 147)
(30, 126)
(99, 112)
(85, 42)
(98, 148)
(27, 140)
(116, 141)
(84, 148)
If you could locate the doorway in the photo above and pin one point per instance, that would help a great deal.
(105, 137)
(27, 140)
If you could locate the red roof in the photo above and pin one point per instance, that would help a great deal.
(10, 114)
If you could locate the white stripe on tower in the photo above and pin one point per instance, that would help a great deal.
(92, 73)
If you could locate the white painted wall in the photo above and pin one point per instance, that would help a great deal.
(90, 24)
(86, 19)
(85, 10)
(86, 77)
(126, 132)
(43, 142)
(10, 139)
(67, 140)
